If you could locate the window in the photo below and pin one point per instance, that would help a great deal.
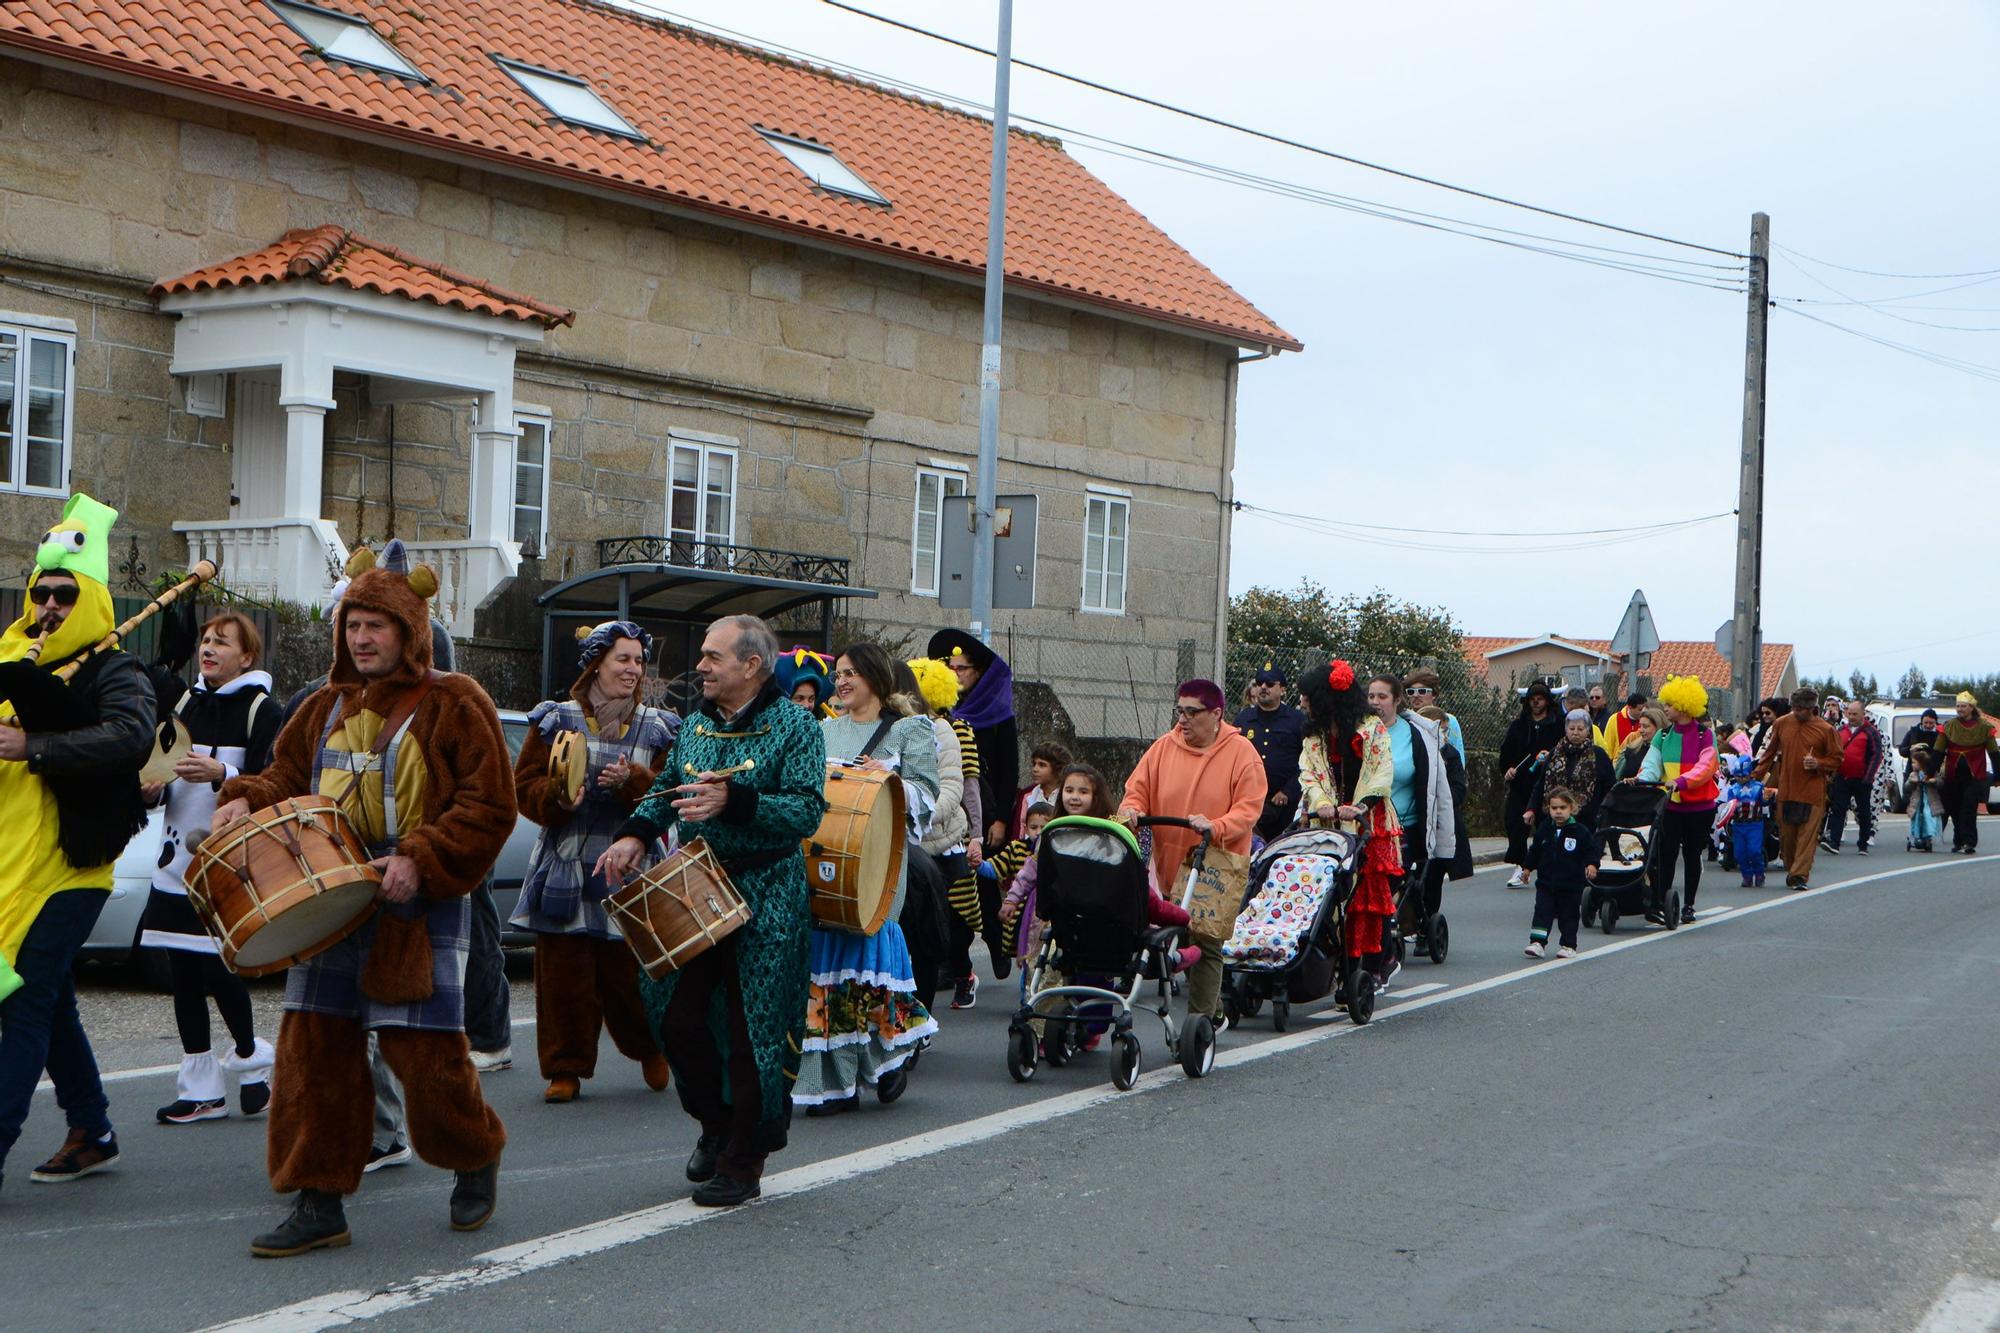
(346, 38)
(822, 167)
(531, 482)
(35, 381)
(701, 502)
(1104, 526)
(926, 537)
(570, 99)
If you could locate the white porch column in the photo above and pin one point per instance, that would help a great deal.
(305, 453)
(495, 442)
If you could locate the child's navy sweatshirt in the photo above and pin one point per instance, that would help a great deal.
(1559, 853)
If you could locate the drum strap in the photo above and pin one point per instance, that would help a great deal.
(384, 751)
(875, 740)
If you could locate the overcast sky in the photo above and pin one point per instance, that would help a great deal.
(1452, 384)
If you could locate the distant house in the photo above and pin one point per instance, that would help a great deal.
(1515, 663)
(600, 314)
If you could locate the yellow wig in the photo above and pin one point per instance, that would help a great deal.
(938, 682)
(1687, 694)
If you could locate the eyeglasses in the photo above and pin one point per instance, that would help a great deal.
(1190, 710)
(1418, 689)
(846, 674)
(63, 593)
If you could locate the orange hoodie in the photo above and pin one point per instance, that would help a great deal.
(1224, 782)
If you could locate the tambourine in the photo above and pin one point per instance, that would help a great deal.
(569, 764)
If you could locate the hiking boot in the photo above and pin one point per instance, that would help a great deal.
(701, 1162)
(82, 1153)
(186, 1112)
(381, 1157)
(475, 1196)
(725, 1192)
(317, 1222)
(965, 992)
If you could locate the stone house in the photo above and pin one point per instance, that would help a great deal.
(593, 311)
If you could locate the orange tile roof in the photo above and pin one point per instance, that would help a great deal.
(337, 257)
(1676, 657)
(699, 101)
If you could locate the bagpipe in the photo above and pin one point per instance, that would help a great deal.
(98, 815)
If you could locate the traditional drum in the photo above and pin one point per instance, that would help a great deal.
(282, 884)
(569, 764)
(171, 744)
(678, 910)
(855, 859)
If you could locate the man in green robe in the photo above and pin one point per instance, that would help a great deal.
(731, 1021)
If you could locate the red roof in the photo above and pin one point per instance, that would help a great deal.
(337, 257)
(1675, 657)
(699, 101)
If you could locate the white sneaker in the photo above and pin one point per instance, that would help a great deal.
(1534, 949)
(1517, 880)
(492, 1062)
(1567, 951)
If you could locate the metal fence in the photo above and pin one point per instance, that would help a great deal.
(143, 642)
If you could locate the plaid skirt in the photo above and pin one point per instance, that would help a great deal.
(330, 982)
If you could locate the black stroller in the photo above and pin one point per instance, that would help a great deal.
(1288, 944)
(1091, 888)
(1624, 884)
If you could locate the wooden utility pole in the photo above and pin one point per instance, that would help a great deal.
(1746, 665)
(986, 482)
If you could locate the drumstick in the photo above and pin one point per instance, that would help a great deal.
(730, 772)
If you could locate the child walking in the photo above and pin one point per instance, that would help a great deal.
(1566, 853)
(1746, 819)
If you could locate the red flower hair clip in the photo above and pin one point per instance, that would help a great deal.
(1340, 675)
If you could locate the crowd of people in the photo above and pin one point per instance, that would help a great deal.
(386, 1031)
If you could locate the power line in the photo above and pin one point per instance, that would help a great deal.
(1471, 532)
(1281, 139)
(1973, 368)
(1333, 529)
(1877, 273)
(1883, 310)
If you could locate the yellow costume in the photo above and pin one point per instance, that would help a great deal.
(32, 866)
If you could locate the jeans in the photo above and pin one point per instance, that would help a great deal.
(39, 1026)
(487, 997)
(389, 1134)
(1861, 795)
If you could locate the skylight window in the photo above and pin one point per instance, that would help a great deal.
(822, 167)
(570, 99)
(346, 38)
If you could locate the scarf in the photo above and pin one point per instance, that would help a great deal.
(1573, 764)
(990, 701)
(612, 714)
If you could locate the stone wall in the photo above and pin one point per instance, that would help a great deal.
(835, 376)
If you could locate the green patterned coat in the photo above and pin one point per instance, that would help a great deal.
(789, 783)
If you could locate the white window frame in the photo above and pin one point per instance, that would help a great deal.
(528, 76)
(1104, 499)
(814, 159)
(299, 17)
(707, 448)
(26, 331)
(943, 474)
(541, 418)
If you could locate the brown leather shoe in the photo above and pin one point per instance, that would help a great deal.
(654, 1070)
(563, 1088)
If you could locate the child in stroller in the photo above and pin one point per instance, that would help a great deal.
(1107, 935)
(1290, 941)
(1624, 884)
(1926, 805)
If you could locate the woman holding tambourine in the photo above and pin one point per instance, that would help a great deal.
(587, 762)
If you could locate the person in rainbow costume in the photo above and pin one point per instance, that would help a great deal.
(69, 800)
(1683, 759)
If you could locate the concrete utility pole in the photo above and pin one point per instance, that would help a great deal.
(989, 353)
(1747, 661)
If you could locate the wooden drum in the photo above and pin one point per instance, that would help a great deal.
(282, 884)
(855, 859)
(678, 910)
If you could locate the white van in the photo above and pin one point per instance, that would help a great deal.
(1896, 719)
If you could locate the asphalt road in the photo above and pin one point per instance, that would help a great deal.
(1781, 1118)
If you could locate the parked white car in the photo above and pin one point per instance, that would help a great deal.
(1896, 720)
(116, 938)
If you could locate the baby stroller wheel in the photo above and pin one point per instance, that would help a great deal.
(1281, 1015)
(1361, 995)
(1125, 1061)
(1059, 1041)
(1607, 916)
(1021, 1054)
(1672, 910)
(1251, 1005)
(894, 1084)
(1197, 1047)
(1439, 938)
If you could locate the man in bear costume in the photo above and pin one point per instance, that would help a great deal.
(418, 762)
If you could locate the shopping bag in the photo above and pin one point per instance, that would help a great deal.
(1220, 887)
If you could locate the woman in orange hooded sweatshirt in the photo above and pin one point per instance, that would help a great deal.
(1206, 771)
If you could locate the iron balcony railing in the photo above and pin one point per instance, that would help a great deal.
(693, 553)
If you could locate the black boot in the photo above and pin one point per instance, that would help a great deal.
(475, 1196)
(701, 1162)
(317, 1223)
(726, 1192)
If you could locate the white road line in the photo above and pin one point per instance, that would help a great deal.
(1969, 1305)
(1405, 992)
(338, 1308)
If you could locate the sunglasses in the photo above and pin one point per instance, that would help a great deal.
(1190, 710)
(1418, 689)
(64, 594)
